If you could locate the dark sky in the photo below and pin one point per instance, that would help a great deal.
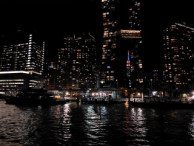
(57, 18)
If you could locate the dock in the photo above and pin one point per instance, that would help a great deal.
(163, 103)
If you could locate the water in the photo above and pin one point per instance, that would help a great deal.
(87, 124)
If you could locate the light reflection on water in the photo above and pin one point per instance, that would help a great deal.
(87, 124)
(191, 128)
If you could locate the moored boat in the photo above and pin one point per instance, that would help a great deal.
(33, 97)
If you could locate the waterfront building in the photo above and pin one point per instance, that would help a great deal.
(77, 62)
(178, 55)
(21, 62)
(122, 62)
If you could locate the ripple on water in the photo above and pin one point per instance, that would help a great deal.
(87, 124)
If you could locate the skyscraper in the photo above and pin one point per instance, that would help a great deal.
(50, 75)
(21, 61)
(178, 47)
(109, 43)
(76, 62)
(22, 51)
(122, 44)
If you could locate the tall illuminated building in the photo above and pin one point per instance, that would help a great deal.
(76, 62)
(50, 75)
(178, 45)
(21, 61)
(109, 43)
(122, 39)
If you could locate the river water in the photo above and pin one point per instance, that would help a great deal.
(86, 124)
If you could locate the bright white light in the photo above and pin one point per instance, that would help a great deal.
(154, 93)
(13, 72)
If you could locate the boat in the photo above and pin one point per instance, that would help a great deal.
(34, 97)
(3, 96)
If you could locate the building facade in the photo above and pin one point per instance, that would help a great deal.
(21, 62)
(178, 45)
(122, 44)
(50, 75)
(108, 66)
(77, 62)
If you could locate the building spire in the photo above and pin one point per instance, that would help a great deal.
(128, 56)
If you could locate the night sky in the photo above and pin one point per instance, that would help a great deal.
(55, 19)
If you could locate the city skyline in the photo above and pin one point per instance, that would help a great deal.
(85, 15)
(96, 72)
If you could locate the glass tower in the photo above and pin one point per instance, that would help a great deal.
(109, 43)
(178, 55)
(21, 62)
(76, 62)
(22, 52)
(122, 39)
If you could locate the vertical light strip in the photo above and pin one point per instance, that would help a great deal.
(43, 48)
(29, 51)
(128, 56)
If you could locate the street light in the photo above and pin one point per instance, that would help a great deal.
(117, 89)
(151, 86)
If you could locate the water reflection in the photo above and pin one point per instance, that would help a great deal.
(95, 124)
(191, 128)
(135, 126)
(87, 124)
(168, 126)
